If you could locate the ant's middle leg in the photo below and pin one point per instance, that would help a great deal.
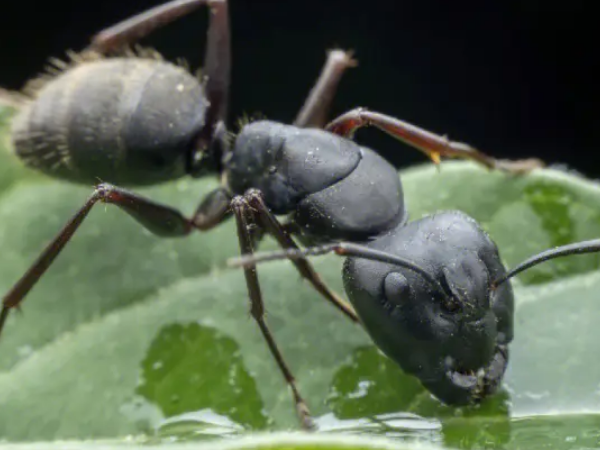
(433, 145)
(160, 219)
(316, 108)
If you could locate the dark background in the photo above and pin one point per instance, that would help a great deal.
(515, 78)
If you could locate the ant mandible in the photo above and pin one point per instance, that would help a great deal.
(133, 119)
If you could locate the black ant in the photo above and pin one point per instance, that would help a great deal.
(132, 119)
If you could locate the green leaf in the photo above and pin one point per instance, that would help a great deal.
(273, 441)
(129, 334)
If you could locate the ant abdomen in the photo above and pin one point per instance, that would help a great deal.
(128, 121)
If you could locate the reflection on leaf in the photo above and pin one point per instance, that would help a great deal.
(568, 432)
(197, 426)
(477, 430)
(371, 384)
(371, 394)
(192, 368)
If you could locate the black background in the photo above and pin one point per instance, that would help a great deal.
(515, 78)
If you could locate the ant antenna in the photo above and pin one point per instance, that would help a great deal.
(577, 248)
(341, 249)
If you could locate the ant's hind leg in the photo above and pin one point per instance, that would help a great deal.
(137, 27)
(245, 218)
(160, 219)
(304, 267)
(316, 108)
(433, 145)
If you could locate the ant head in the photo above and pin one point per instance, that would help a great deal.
(440, 328)
(447, 311)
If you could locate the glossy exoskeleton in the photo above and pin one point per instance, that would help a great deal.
(132, 119)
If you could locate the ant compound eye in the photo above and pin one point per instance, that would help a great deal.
(467, 288)
(451, 301)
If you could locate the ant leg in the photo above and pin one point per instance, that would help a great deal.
(217, 63)
(245, 218)
(216, 72)
(213, 210)
(304, 267)
(316, 108)
(142, 24)
(161, 220)
(433, 145)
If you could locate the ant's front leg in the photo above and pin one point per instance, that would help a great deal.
(245, 217)
(433, 145)
(161, 220)
(269, 222)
